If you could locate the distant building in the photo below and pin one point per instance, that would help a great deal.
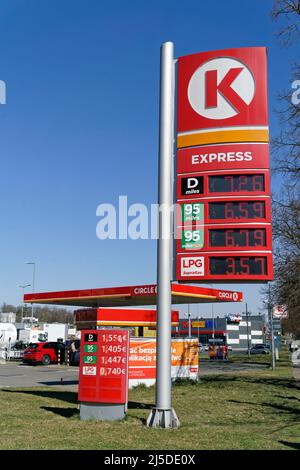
(232, 329)
(7, 317)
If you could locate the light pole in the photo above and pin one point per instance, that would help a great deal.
(188, 315)
(272, 327)
(33, 281)
(213, 320)
(248, 342)
(23, 287)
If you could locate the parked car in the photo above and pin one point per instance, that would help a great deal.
(294, 346)
(260, 349)
(44, 353)
(201, 347)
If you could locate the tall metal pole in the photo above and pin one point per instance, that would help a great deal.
(189, 315)
(272, 328)
(163, 415)
(33, 282)
(248, 342)
(213, 319)
(22, 309)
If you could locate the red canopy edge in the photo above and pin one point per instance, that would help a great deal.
(132, 296)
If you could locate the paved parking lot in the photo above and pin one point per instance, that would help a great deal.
(16, 374)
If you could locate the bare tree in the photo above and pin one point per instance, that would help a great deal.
(286, 203)
(288, 11)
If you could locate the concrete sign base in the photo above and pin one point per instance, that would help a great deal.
(102, 411)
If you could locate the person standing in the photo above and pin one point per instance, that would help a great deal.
(212, 351)
(225, 352)
(220, 352)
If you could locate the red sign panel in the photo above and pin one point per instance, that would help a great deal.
(237, 266)
(222, 88)
(223, 157)
(93, 317)
(103, 374)
(223, 177)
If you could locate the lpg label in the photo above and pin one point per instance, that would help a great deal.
(192, 266)
(89, 370)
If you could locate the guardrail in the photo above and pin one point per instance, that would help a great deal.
(12, 354)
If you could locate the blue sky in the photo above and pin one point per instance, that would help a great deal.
(80, 128)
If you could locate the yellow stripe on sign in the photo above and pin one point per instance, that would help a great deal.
(218, 137)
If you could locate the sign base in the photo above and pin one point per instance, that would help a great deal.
(102, 411)
(163, 419)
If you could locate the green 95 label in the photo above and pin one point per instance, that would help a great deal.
(90, 348)
(192, 239)
(89, 359)
(192, 212)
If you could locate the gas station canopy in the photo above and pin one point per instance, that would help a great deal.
(132, 296)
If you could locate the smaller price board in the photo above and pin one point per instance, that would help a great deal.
(103, 375)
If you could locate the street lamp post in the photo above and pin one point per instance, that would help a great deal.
(33, 282)
(23, 287)
(189, 316)
(272, 327)
(248, 339)
(213, 320)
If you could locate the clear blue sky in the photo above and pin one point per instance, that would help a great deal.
(80, 127)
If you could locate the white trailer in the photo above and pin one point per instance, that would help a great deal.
(45, 332)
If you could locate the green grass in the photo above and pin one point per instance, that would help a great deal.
(245, 410)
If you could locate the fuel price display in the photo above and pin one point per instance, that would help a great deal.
(223, 215)
(243, 237)
(103, 374)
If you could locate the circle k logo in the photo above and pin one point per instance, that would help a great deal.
(229, 295)
(221, 88)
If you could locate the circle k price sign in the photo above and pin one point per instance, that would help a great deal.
(223, 226)
(103, 373)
